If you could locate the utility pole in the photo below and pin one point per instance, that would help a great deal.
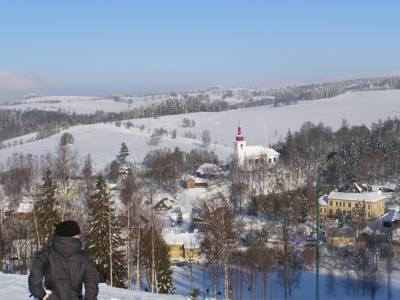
(317, 221)
(389, 226)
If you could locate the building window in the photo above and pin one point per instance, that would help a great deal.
(241, 146)
(336, 203)
(349, 205)
(331, 203)
(270, 160)
(274, 159)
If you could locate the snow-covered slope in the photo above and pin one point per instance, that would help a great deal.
(265, 124)
(261, 125)
(15, 287)
(103, 142)
(83, 104)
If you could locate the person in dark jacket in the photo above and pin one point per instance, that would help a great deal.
(65, 267)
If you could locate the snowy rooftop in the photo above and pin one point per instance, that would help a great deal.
(257, 151)
(364, 196)
(392, 215)
(188, 240)
(323, 200)
(209, 169)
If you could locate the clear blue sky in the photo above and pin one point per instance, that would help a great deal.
(101, 47)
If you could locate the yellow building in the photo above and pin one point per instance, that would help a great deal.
(341, 236)
(323, 206)
(183, 246)
(348, 202)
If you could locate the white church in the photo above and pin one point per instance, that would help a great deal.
(248, 156)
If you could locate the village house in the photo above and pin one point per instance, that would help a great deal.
(209, 171)
(183, 246)
(382, 226)
(341, 236)
(191, 182)
(349, 202)
(22, 211)
(250, 156)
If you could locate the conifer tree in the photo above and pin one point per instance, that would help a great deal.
(124, 152)
(104, 241)
(46, 209)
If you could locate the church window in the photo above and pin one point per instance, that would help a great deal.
(241, 146)
(274, 158)
(270, 160)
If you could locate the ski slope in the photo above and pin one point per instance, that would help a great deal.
(261, 126)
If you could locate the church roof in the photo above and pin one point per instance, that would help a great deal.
(255, 151)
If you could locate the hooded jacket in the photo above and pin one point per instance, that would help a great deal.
(65, 267)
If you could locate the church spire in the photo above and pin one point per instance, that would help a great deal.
(239, 136)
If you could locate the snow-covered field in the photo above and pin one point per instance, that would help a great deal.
(15, 287)
(266, 124)
(83, 104)
(91, 104)
(261, 125)
(335, 290)
(103, 142)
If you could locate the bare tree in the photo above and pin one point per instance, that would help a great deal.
(66, 165)
(132, 198)
(221, 231)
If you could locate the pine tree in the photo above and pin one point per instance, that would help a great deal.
(124, 152)
(360, 220)
(46, 209)
(304, 209)
(340, 218)
(104, 242)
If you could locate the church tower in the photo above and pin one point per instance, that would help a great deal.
(240, 148)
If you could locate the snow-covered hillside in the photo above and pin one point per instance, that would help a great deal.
(15, 287)
(82, 104)
(261, 125)
(103, 142)
(266, 124)
(91, 104)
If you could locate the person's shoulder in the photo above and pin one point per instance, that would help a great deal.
(43, 253)
(84, 255)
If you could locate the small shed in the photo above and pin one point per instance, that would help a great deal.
(341, 236)
(163, 205)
